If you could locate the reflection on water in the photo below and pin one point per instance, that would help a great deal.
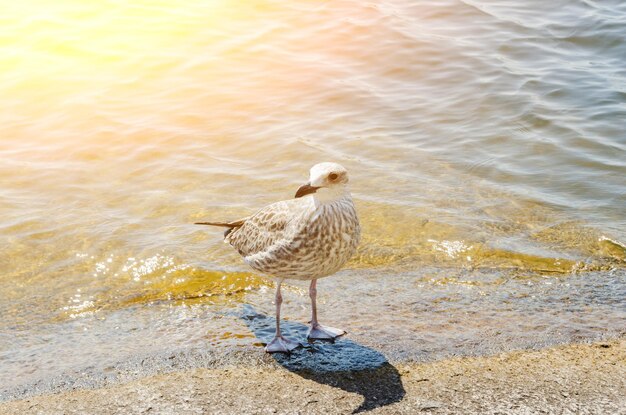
(176, 285)
(485, 142)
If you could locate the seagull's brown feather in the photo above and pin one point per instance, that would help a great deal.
(259, 232)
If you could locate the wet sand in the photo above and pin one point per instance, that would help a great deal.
(577, 378)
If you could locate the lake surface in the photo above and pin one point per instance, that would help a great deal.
(486, 142)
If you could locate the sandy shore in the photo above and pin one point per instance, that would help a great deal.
(580, 379)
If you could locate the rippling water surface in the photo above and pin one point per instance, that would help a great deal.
(486, 142)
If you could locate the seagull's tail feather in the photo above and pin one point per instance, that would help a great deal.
(224, 224)
(229, 225)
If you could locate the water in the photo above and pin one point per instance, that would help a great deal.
(486, 144)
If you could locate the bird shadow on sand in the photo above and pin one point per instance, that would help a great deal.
(343, 364)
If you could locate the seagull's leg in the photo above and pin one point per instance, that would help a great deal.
(317, 331)
(280, 344)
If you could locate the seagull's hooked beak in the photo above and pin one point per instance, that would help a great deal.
(306, 189)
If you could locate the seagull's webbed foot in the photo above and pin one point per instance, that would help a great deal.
(281, 344)
(319, 332)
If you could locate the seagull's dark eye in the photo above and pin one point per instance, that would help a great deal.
(333, 176)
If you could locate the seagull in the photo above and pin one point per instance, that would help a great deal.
(305, 238)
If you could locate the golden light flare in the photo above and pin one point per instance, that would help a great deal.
(95, 33)
(94, 67)
(54, 49)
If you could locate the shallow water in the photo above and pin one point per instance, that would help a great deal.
(486, 144)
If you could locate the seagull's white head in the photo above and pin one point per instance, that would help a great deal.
(327, 180)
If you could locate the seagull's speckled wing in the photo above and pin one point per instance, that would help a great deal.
(262, 231)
